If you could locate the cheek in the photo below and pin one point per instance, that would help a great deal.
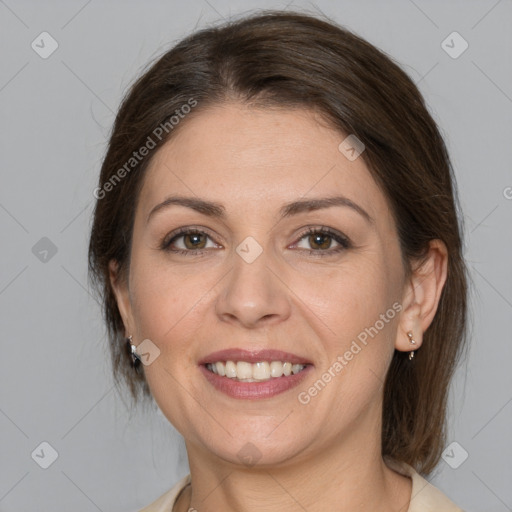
(357, 308)
(356, 322)
(343, 299)
(165, 297)
(168, 311)
(347, 297)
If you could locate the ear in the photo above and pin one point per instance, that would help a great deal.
(122, 294)
(421, 296)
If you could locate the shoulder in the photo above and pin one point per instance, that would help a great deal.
(165, 502)
(424, 497)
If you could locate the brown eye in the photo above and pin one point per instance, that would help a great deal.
(323, 242)
(195, 240)
(320, 241)
(188, 241)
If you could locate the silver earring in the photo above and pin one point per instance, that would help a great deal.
(133, 352)
(411, 353)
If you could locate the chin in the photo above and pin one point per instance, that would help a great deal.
(258, 449)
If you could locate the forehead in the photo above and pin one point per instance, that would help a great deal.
(248, 158)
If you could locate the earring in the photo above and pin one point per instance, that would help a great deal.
(411, 354)
(132, 350)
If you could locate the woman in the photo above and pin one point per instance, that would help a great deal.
(276, 240)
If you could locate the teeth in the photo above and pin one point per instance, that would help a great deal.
(276, 369)
(296, 368)
(247, 372)
(230, 369)
(243, 370)
(220, 369)
(260, 371)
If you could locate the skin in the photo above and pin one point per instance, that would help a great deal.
(325, 455)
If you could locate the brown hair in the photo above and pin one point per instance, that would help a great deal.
(290, 60)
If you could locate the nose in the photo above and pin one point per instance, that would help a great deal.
(254, 294)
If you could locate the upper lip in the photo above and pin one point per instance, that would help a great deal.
(253, 356)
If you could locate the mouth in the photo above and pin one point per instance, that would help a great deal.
(243, 371)
(254, 374)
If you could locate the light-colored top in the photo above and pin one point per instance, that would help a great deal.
(424, 497)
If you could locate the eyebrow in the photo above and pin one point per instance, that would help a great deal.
(217, 210)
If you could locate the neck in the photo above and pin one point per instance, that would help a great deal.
(335, 477)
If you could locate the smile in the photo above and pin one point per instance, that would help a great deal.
(261, 371)
(254, 374)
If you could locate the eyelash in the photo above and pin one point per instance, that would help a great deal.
(342, 240)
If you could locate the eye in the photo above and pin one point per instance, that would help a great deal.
(193, 241)
(320, 240)
(187, 241)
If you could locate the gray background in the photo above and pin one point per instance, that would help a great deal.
(56, 114)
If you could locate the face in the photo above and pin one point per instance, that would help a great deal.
(319, 286)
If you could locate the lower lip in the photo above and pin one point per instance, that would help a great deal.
(254, 390)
